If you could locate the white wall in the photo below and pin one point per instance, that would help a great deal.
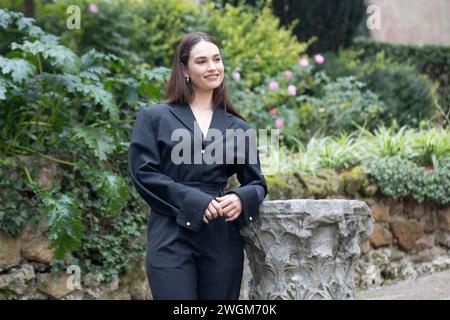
(413, 21)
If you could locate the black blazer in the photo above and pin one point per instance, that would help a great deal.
(175, 189)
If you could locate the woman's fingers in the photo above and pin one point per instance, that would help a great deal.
(212, 210)
(205, 220)
(218, 207)
(227, 206)
(208, 213)
(233, 215)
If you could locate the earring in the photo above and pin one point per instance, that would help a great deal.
(187, 79)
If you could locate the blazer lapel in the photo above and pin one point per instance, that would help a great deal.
(221, 120)
(184, 114)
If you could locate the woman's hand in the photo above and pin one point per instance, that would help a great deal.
(231, 205)
(213, 211)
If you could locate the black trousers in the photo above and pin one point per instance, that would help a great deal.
(183, 264)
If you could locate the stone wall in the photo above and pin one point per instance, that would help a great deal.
(409, 239)
(25, 274)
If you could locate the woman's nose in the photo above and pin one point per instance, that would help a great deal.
(211, 66)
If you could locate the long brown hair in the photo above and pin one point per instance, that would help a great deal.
(181, 91)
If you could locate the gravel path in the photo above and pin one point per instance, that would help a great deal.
(431, 287)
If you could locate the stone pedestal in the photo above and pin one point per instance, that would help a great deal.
(306, 249)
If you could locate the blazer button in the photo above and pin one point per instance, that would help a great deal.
(251, 218)
(188, 223)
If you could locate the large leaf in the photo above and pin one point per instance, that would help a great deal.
(3, 84)
(64, 220)
(74, 84)
(8, 18)
(18, 68)
(113, 188)
(97, 139)
(102, 97)
(58, 55)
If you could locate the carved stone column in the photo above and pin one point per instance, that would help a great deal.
(306, 249)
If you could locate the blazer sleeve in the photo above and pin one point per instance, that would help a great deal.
(253, 186)
(163, 194)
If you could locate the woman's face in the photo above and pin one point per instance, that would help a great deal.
(205, 66)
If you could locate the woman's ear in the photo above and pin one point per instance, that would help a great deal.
(183, 68)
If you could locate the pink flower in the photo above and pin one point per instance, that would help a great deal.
(273, 85)
(273, 111)
(93, 8)
(319, 58)
(278, 123)
(288, 74)
(236, 75)
(292, 90)
(303, 62)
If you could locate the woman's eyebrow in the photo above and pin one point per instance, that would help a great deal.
(217, 54)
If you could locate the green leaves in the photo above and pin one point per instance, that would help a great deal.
(97, 140)
(398, 177)
(95, 91)
(19, 69)
(113, 189)
(64, 220)
(58, 56)
(100, 96)
(3, 89)
(9, 18)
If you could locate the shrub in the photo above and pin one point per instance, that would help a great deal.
(400, 178)
(431, 60)
(75, 111)
(255, 45)
(308, 103)
(408, 95)
(141, 31)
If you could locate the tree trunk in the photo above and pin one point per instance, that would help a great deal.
(29, 8)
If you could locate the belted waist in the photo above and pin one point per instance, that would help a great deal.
(213, 189)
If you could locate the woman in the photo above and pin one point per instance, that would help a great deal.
(194, 249)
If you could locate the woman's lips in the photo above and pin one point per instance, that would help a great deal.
(212, 77)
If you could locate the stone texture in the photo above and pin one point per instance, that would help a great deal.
(49, 174)
(365, 247)
(54, 285)
(246, 278)
(380, 213)
(425, 255)
(136, 282)
(443, 238)
(34, 231)
(425, 242)
(381, 236)
(306, 249)
(9, 250)
(407, 232)
(16, 280)
(38, 250)
(443, 217)
(429, 221)
(104, 291)
(397, 208)
(418, 210)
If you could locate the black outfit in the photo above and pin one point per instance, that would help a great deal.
(187, 258)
